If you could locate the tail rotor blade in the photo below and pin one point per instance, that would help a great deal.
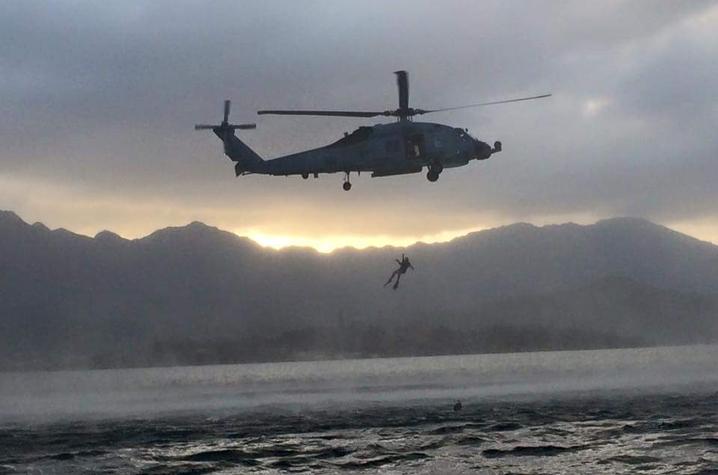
(225, 127)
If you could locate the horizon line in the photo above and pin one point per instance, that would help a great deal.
(334, 243)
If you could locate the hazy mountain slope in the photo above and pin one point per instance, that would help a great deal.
(196, 293)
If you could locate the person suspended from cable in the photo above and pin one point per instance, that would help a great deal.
(404, 265)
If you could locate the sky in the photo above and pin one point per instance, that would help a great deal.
(98, 102)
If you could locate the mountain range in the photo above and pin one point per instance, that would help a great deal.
(196, 294)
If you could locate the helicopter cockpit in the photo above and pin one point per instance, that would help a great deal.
(463, 134)
(481, 150)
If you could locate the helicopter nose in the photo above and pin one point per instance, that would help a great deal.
(482, 150)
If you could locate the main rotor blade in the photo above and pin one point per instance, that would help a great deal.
(402, 81)
(324, 113)
(423, 111)
(227, 105)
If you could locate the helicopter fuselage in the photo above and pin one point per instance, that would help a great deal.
(385, 150)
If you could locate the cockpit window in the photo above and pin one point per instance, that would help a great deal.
(359, 135)
(463, 135)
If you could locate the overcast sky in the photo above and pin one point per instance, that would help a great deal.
(98, 100)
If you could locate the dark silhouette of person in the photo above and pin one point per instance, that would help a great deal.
(404, 265)
(457, 405)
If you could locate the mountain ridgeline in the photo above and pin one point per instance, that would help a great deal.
(196, 295)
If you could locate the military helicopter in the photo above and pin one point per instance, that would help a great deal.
(383, 149)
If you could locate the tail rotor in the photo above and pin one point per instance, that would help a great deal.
(225, 130)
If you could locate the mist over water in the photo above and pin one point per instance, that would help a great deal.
(603, 409)
(151, 391)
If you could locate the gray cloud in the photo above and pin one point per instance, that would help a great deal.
(97, 99)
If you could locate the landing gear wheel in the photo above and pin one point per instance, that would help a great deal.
(305, 175)
(347, 186)
(435, 170)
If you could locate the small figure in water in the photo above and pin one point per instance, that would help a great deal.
(457, 406)
(404, 265)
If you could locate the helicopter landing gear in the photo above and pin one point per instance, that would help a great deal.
(346, 185)
(305, 175)
(434, 171)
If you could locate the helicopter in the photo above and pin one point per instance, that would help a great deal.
(398, 148)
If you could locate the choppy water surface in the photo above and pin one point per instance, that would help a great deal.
(614, 411)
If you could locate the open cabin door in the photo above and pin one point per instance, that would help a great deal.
(414, 146)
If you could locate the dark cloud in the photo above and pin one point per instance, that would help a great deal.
(97, 102)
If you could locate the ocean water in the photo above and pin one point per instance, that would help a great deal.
(648, 410)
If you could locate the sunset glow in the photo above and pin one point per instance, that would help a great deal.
(328, 244)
